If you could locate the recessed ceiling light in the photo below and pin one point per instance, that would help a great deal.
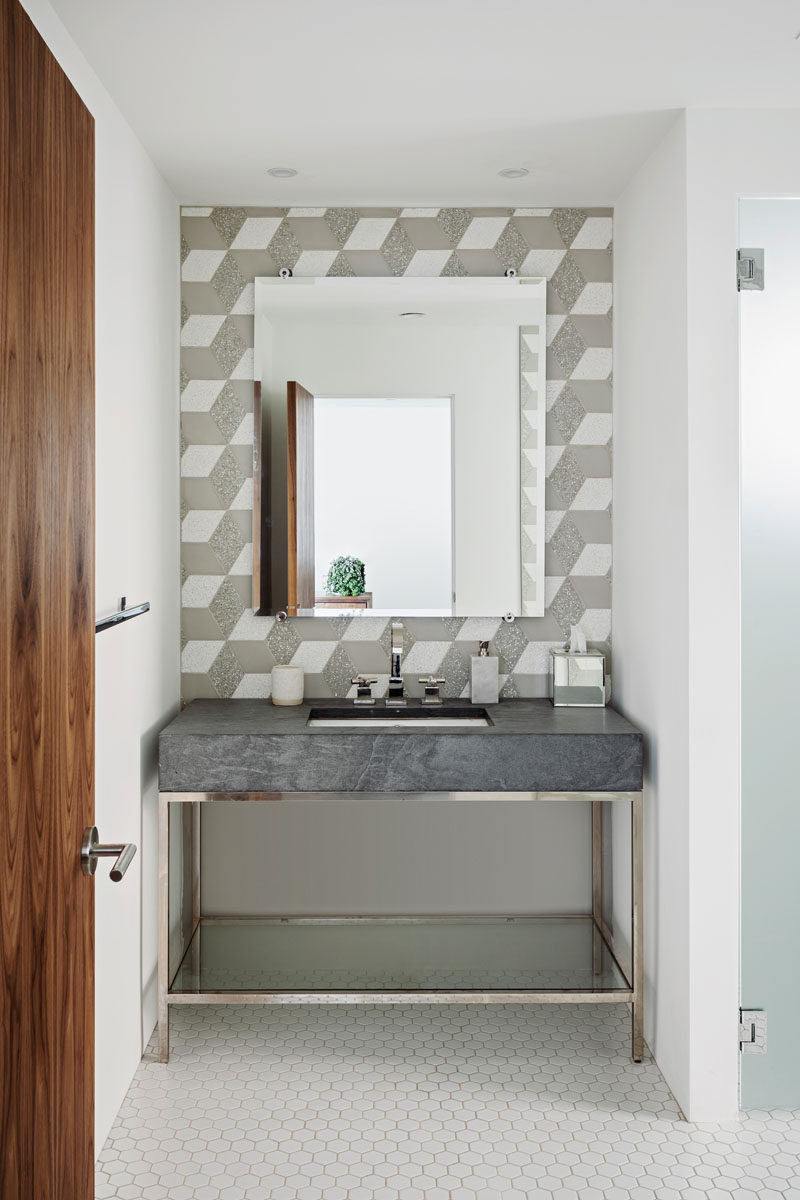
(412, 314)
(281, 172)
(513, 172)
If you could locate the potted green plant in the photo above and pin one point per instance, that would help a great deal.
(346, 576)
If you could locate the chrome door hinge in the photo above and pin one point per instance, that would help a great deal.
(750, 270)
(752, 1031)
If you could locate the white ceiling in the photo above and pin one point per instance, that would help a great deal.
(423, 101)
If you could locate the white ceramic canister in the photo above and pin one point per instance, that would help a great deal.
(287, 684)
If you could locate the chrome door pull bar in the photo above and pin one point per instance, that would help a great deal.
(92, 849)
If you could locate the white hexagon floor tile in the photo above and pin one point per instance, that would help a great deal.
(425, 1103)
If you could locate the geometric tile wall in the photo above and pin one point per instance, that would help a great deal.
(226, 650)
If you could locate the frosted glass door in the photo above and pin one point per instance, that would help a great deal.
(770, 864)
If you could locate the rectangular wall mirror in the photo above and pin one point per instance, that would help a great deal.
(399, 446)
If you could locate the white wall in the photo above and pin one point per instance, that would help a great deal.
(650, 595)
(676, 554)
(137, 549)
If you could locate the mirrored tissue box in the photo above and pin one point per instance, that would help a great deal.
(578, 680)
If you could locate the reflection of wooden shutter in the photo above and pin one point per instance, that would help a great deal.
(300, 495)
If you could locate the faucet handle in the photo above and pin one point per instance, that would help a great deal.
(363, 687)
(431, 686)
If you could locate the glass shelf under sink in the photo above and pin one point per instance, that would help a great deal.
(360, 955)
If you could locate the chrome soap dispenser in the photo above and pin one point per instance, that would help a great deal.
(485, 676)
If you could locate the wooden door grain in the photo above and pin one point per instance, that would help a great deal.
(300, 489)
(46, 622)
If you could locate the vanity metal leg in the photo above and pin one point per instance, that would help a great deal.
(163, 927)
(597, 885)
(637, 927)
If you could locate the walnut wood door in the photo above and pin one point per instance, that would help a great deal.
(300, 495)
(46, 622)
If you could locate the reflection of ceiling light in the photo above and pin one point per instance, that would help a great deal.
(412, 314)
(513, 172)
(281, 172)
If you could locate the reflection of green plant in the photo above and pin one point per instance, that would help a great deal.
(346, 576)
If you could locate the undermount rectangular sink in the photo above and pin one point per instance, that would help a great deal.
(383, 717)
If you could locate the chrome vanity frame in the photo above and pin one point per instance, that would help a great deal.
(632, 968)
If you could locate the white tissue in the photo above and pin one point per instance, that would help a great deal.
(577, 640)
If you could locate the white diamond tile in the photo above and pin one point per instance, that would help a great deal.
(199, 265)
(256, 233)
(594, 495)
(199, 590)
(424, 657)
(314, 262)
(245, 306)
(254, 687)
(538, 263)
(250, 628)
(243, 500)
(201, 330)
(594, 559)
(244, 434)
(370, 233)
(313, 656)
(199, 524)
(594, 234)
(365, 629)
(595, 300)
(199, 461)
(596, 624)
(594, 430)
(199, 394)
(595, 363)
(195, 212)
(198, 657)
(478, 629)
(482, 233)
(420, 212)
(428, 262)
(244, 563)
(245, 366)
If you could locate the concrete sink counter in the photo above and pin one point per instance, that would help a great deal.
(254, 746)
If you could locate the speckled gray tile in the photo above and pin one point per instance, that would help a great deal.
(567, 544)
(567, 607)
(509, 642)
(339, 671)
(341, 267)
(453, 625)
(283, 641)
(341, 222)
(567, 281)
(568, 222)
(226, 477)
(185, 249)
(454, 222)
(454, 268)
(226, 673)
(339, 625)
(284, 247)
(398, 249)
(183, 380)
(568, 346)
(228, 346)
(455, 670)
(568, 412)
(433, 229)
(227, 542)
(228, 282)
(511, 248)
(226, 608)
(228, 222)
(567, 477)
(227, 412)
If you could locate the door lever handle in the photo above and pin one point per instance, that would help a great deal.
(92, 849)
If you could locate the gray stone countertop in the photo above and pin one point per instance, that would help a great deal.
(255, 746)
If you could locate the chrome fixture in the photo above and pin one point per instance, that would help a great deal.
(396, 690)
(363, 688)
(123, 614)
(92, 849)
(431, 686)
